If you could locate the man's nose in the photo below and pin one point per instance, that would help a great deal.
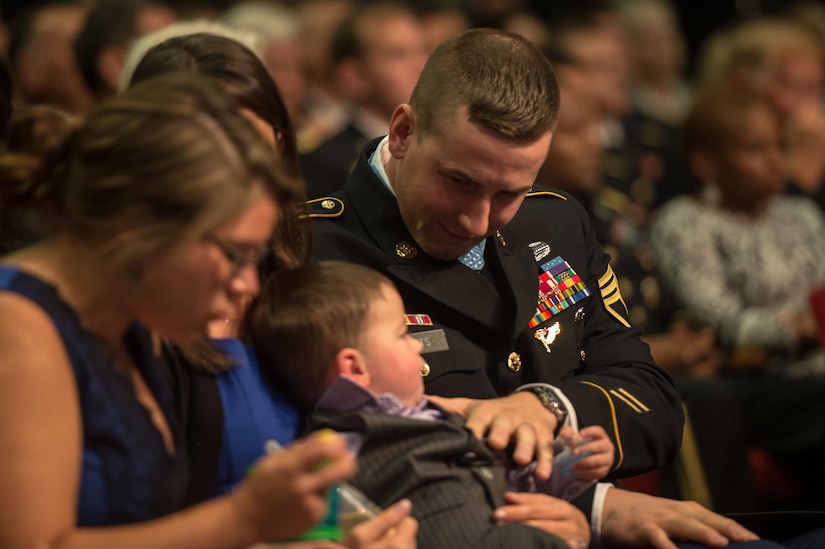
(475, 219)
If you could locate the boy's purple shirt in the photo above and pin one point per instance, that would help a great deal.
(346, 394)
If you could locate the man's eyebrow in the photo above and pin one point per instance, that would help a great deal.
(459, 174)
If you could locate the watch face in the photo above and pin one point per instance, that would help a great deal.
(551, 402)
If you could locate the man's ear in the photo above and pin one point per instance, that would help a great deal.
(402, 129)
(350, 362)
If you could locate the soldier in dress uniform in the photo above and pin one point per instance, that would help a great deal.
(505, 285)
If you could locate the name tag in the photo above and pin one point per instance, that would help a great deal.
(433, 340)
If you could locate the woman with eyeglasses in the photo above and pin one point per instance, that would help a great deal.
(229, 410)
(160, 202)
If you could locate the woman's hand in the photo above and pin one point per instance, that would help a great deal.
(392, 529)
(550, 514)
(286, 492)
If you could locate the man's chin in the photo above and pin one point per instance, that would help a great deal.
(443, 253)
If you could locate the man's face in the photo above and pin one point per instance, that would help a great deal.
(459, 184)
(395, 51)
(574, 161)
(603, 52)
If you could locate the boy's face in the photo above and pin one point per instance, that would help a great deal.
(392, 357)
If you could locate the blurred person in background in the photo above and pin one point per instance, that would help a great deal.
(40, 54)
(279, 28)
(377, 55)
(782, 60)
(111, 26)
(741, 257)
(658, 59)
(323, 109)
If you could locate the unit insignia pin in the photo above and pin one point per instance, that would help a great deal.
(514, 362)
(405, 250)
(547, 335)
(540, 250)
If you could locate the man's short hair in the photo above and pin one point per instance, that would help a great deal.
(507, 85)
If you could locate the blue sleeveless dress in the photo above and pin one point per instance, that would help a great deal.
(127, 476)
(253, 412)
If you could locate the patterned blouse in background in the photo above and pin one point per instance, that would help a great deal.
(742, 275)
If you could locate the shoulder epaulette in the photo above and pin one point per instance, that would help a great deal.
(546, 193)
(327, 206)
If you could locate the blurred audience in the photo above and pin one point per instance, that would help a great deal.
(377, 55)
(40, 53)
(781, 60)
(324, 112)
(658, 59)
(6, 97)
(34, 133)
(441, 21)
(110, 28)
(279, 28)
(588, 47)
(741, 256)
(528, 25)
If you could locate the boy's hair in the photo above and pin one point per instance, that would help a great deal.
(304, 316)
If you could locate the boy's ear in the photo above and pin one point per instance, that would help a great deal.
(350, 362)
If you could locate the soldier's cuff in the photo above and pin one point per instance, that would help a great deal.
(571, 420)
(596, 514)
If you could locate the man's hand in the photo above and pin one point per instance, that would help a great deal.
(519, 417)
(632, 519)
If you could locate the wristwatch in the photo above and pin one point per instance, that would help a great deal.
(551, 402)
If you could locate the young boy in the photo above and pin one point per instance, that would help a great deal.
(333, 337)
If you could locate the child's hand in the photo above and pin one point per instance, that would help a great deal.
(593, 440)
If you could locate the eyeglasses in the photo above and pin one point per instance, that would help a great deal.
(239, 258)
